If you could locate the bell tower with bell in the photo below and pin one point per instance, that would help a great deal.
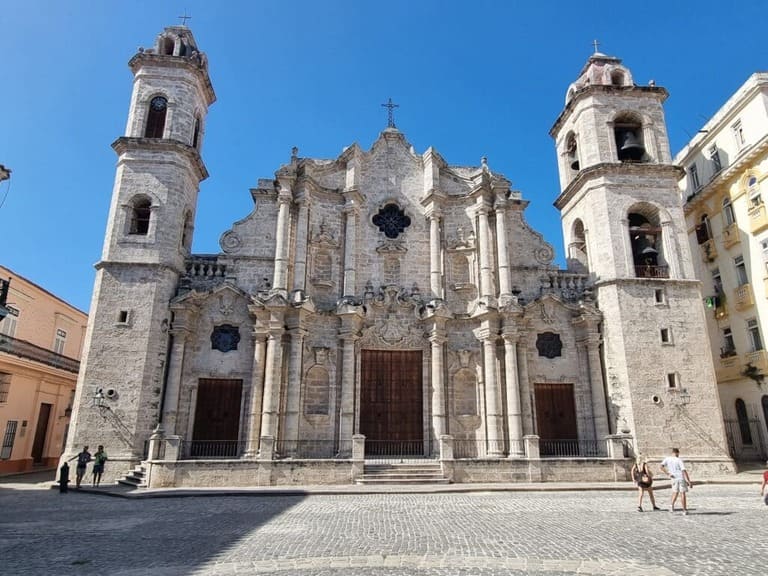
(623, 223)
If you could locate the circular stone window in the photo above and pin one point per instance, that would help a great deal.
(391, 220)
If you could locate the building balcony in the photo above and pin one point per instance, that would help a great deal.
(708, 250)
(758, 218)
(728, 367)
(731, 235)
(648, 271)
(758, 359)
(743, 297)
(24, 349)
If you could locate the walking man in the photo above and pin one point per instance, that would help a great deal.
(681, 482)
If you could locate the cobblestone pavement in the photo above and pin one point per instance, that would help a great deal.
(478, 534)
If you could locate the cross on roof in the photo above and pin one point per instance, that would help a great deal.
(391, 108)
(595, 43)
(184, 18)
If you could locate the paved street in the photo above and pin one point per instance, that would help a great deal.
(44, 532)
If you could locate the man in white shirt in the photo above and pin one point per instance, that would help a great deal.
(681, 482)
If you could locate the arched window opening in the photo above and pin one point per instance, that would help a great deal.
(186, 235)
(703, 230)
(617, 78)
(578, 248)
(158, 107)
(645, 238)
(166, 46)
(755, 199)
(728, 214)
(628, 133)
(140, 215)
(741, 414)
(571, 150)
(196, 134)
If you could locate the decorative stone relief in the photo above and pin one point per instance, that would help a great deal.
(225, 338)
(230, 242)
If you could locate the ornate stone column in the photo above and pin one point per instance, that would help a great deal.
(493, 409)
(487, 289)
(599, 409)
(437, 339)
(257, 392)
(524, 382)
(173, 385)
(514, 407)
(351, 208)
(505, 282)
(347, 412)
(293, 390)
(270, 413)
(435, 276)
(280, 278)
(670, 252)
(300, 261)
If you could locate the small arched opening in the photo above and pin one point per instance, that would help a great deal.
(577, 257)
(628, 133)
(646, 242)
(743, 418)
(572, 152)
(167, 45)
(141, 213)
(158, 108)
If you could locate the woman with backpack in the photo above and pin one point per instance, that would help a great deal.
(643, 479)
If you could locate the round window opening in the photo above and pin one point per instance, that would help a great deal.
(391, 220)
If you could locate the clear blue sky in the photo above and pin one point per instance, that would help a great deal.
(472, 79)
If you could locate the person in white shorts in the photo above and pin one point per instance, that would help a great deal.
(681, 482)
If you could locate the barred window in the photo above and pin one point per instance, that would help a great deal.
(5, 387)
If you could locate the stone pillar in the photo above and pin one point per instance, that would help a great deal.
(487, 289)
(446, 447)
(493, 409)
(347, 414)
(599, 409)
(270, 412)
(257, 393)
(523, 381)
(668, 240)
(514, 407)
(358, 456)
(437, 338)
(293, 390)
(173, 384)
(435, 275)
(282, 241)
(350, 245)
(300, 261)
(505, 281)
(532, 446)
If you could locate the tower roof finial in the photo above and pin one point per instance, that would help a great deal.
(184, 18)
(391, 116)
(595, 43)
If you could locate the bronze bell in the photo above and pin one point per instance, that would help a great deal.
(631, 149)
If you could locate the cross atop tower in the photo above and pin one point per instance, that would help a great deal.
(595, 43)
(391, 108)
(184, 18)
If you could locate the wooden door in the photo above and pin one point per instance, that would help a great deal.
(391, 401)
(38, 446)
(217, 418)
(555, 414)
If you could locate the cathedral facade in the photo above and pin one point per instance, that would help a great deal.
(387, 304)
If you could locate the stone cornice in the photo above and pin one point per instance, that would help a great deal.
(125, 144)
(579, 95)
(191, 64)
(616, 169)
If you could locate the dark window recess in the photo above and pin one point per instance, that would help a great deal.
(196, 133)
(741, 414)
(8, 439)
(140, 217)
(158, 107)
(391, 220)
(549, 345)
(225, 338)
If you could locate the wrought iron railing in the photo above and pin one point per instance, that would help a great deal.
(648, 271)
(312, 449)
(573, 448)
(212, 448)
(24, 349)
(464, 448)
(396, 448)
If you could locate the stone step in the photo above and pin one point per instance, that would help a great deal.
(400, 467)
(403, 475)
(389, 481)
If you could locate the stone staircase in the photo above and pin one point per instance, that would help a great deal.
(136, 478)
(406, 473)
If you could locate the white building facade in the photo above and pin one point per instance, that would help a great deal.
(724, 191)
(384, 304)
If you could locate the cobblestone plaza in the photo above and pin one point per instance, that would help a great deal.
(587, 532)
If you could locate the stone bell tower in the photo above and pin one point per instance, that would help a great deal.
(623, 223)
(148, 237)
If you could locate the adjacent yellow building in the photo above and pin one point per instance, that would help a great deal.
(725, 189)
(41, 340)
